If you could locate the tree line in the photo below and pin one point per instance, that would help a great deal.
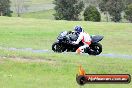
(19, 6)
(5, 8)
(74, 9)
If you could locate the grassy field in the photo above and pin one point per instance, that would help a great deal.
(42, 1)
(25, 69)
(58, 71)
(34, 1)
(47, 14)
(40, 34)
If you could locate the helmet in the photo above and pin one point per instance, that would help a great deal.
(78, 29)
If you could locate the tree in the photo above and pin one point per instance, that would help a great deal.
(128, 12)
(104, 8)
(113, 7)
(68, 9)
(5, 8)
(20, 6)
(91, 14)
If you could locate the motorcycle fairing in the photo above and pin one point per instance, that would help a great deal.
(96, 38)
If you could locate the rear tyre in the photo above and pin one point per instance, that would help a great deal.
(95, 49)
(57, 47)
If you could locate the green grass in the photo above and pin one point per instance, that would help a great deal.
(34, 1)
(42, 1)
(47, 14)
(61, 73)
(19, 70)
(40, 34)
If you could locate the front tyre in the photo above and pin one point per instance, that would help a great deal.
(57, 47)
(95, 49)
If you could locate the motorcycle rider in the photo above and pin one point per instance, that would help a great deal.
(84, 37)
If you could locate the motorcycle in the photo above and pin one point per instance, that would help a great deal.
(64, 43)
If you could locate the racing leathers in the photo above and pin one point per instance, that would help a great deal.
(86, 39)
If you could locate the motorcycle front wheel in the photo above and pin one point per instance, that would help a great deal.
(58, 47)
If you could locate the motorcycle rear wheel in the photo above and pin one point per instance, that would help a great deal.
(95, 49)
